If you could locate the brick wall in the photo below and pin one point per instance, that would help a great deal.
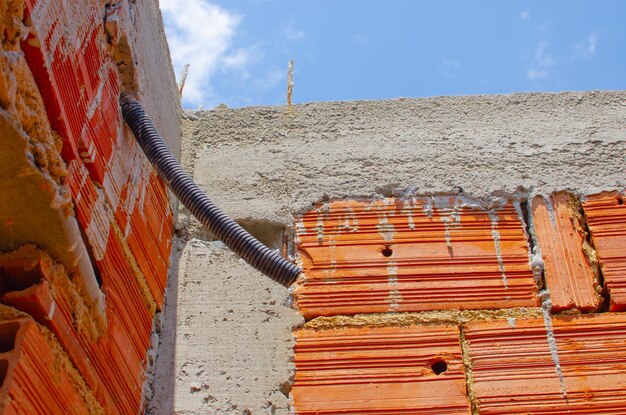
(449, 305)
(85, 224)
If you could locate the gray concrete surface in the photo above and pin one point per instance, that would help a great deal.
(226, 343)
(226, 340)
(156, 82)
(265, 163)
(141, 52)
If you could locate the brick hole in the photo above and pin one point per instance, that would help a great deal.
(17, 278)
(4, 367)
(438, 367)
(387, 251)
(8, 332)
(620, 200)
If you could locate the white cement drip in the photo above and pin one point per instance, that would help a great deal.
(385, 228)
(452, 220)
(320, 227)
(410, 220)
(536, 258)
(428, 208)
(350, 222)
(496, 242)
(300, 227)
(546, 307)
(394, 293)
(520, 215)
(411, 223)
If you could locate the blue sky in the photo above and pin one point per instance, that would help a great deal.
(238, 50)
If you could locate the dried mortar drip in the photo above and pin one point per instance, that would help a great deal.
(536, 259)
(546, 308)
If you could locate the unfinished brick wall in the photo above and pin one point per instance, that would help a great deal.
(85, 224)
(449, 305)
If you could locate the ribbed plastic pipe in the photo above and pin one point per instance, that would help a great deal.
(225, 229)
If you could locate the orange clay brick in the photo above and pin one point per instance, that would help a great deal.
(388, 370)
(606, 217)
(67, 53)
(414, 255)
(573, 364)
(113, 364)
(143, 216)
(33, 378)
(561, 237)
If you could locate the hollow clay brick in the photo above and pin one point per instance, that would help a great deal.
(66, 52)
(146, 248)
(573, 364)
(35, 378)
(561, 236)
(33, 207)
(385, 370)
(112, 364)
(121, 205)
(606, 217)
(78, 79)
(414, 255)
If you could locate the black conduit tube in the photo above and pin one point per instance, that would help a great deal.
(224, 228)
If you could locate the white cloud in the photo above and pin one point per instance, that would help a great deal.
(272, 77)
(361, 39)
(449, 68)
(239, 58)
(542, 62)
(292, 34)
(201, 34)
(534, 74)
(524, 15)
(587, 47)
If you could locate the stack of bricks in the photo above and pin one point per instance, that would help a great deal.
(445, 305)
(58, 352)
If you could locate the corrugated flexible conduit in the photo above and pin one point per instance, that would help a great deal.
(267, 261)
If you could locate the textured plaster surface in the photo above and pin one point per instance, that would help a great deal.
(155, 78)
(226, 341)
(226, 345)
(265, 163)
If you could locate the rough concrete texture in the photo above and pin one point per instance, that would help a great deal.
(265, 163)
(226, 340)
(149, 57)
